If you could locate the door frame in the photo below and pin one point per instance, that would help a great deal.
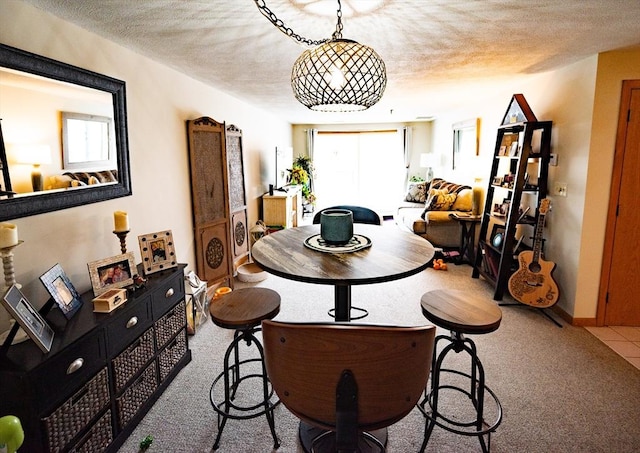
(616, 178)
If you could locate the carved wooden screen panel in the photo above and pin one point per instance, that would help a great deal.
(237, 194)
(210, 200)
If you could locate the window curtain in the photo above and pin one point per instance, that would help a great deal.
(407, 133)
(311, 144)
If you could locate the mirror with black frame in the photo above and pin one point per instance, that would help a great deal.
(63, 136)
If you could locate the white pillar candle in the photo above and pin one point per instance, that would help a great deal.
(121, 221)
(8, 235)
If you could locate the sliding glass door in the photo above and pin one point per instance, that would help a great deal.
(359, 168)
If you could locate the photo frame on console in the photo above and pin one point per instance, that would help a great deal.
(29, 319)
(157, 251)
(114, 272)
(61, 290)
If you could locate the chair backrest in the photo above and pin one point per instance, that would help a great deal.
(360, 214)
(390, 366)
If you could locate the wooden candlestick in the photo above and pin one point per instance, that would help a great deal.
(7, 266)
(122, 235)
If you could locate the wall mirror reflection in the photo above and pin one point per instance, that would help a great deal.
(78, 116)
(86, 140)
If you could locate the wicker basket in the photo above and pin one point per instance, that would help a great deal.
(98, 438)
(135, 396)
(74, 414)
(171, 355)
(170, 324)
(132, 359)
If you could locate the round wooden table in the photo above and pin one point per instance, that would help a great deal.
(393, 254)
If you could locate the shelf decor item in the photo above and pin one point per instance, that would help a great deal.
(61, 290)
(157, 251)
(114, 272)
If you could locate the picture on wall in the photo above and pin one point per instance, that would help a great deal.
(157, 251)
(61, 290)
(114, 272)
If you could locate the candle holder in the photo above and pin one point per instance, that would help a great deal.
(7, 266)
(122, 235)
(9, 280)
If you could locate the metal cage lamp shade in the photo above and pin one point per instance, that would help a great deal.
(339, 76)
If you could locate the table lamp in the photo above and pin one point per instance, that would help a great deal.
(35, 155)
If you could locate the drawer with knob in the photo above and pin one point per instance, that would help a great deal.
(70, 369)
(130, 324)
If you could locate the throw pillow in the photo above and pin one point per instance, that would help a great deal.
(464, 201)
(439, 200)
(416, 192)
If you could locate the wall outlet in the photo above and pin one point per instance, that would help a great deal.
(553, 159)
(560, 189)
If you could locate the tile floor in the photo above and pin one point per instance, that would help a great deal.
(624, 340)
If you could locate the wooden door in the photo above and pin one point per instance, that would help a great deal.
(210, 200)
(618, 303)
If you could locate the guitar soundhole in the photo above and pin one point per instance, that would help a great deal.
(535, 267)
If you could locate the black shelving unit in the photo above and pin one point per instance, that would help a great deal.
(520, 166)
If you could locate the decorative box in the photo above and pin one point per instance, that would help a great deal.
(109, 300)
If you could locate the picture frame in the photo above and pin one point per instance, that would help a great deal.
(61, 290)
(466, 142)
(157, 251)
(514, 151)
(29, 319)
(114, 272)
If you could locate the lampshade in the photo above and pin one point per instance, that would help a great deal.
(339, 76)
(32, 154)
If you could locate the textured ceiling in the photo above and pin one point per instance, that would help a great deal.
(437, 52)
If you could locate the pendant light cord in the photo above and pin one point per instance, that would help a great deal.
(266, 12)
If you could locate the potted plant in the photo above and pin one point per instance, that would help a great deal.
(301, 173)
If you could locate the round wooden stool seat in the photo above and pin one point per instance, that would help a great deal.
(460, 311)
(244, 308)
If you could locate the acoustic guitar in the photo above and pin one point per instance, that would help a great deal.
(532, 284)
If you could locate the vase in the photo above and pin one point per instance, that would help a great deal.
(336, 226)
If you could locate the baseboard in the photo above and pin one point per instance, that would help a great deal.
(578, 322)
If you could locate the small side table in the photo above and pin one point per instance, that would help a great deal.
(468, 224)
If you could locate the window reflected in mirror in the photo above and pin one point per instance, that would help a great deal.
(86, 140)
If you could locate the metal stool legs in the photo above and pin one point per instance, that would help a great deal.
(476, 392)
(232, 377)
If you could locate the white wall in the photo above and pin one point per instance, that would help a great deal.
(565, 97)
(159, 102)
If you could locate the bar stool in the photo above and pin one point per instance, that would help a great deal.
(461, 313)
(243, 310)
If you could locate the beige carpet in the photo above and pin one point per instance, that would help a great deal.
(561, 389)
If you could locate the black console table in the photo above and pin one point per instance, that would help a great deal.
(103, 373)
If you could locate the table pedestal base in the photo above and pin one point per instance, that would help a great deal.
(308, 433)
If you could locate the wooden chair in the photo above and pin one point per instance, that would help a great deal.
(360, 215)
(345, 380)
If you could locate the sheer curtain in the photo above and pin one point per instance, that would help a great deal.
(361, 168)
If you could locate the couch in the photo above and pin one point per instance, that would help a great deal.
(80, 178)
(427, 207)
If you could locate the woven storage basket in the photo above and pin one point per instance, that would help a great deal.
(98, 438)
(74, 414)
(135, 396)
(171, 355)
(170, 324)
(132, 359)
